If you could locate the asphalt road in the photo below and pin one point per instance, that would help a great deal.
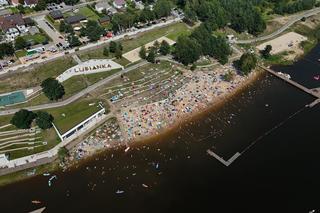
(78, 95)
(293, 20)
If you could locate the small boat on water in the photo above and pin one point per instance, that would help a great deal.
(284, 75)
(317, 77)
(36, 201)
(127, 149)
(51, 179)
(119, 191)
(46, 174)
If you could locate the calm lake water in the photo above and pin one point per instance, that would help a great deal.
(173, 173)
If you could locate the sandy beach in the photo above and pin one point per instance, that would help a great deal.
(134, 123)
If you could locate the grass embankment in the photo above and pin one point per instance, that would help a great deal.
(48, 136)
(134, 75)
(278, 59)
(21, 175)
(24, 80)
(173, 32)
(72, 86)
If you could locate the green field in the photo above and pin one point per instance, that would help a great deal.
(21, 53)
(36, 39)
(87, 12)
(23, 80)
(69, 116)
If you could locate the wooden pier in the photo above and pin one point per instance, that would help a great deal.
(312, 92)
(224, 162)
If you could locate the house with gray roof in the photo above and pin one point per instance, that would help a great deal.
(74, 19)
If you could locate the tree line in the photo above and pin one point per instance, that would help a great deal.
(201, 42)
(284, 6)
(23, 119)
(241, 15)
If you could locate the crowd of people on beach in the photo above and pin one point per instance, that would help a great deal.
(107, 136)
(203, 89)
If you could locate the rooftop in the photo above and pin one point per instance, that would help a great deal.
(120, 2)
(56, 14)
(75, 19)
(11, 21)
(31, 2)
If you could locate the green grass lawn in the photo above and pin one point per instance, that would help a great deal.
(14, 10)
(278, 59)
(91, 15)
(69, 116)
(17, 176)
(85, 11)
(180, 29)
(49, 136)
(21, 53)
(122, 61)
(71, 86)
(4, 120)
(36, 39)
(23, 80)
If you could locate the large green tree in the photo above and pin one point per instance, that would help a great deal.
(6, 49)
(73, 40)
(20, 43)
(143, 52)
(152, 55)
(22, 119)
(266, 52)
(187, 50)
(247, 63)
(44, 120)
(93, 30)
(53, 89)
(164, 48)
(163, 8)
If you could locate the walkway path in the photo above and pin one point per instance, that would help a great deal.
(293, 83)
(292, 21)
(76, 59)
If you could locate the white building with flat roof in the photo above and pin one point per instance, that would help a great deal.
(89, 67)
(82, 126)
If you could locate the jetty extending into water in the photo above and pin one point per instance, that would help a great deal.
(315, 93)
(224, 162)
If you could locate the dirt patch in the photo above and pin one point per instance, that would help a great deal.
(133, 55)
(287, 42)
